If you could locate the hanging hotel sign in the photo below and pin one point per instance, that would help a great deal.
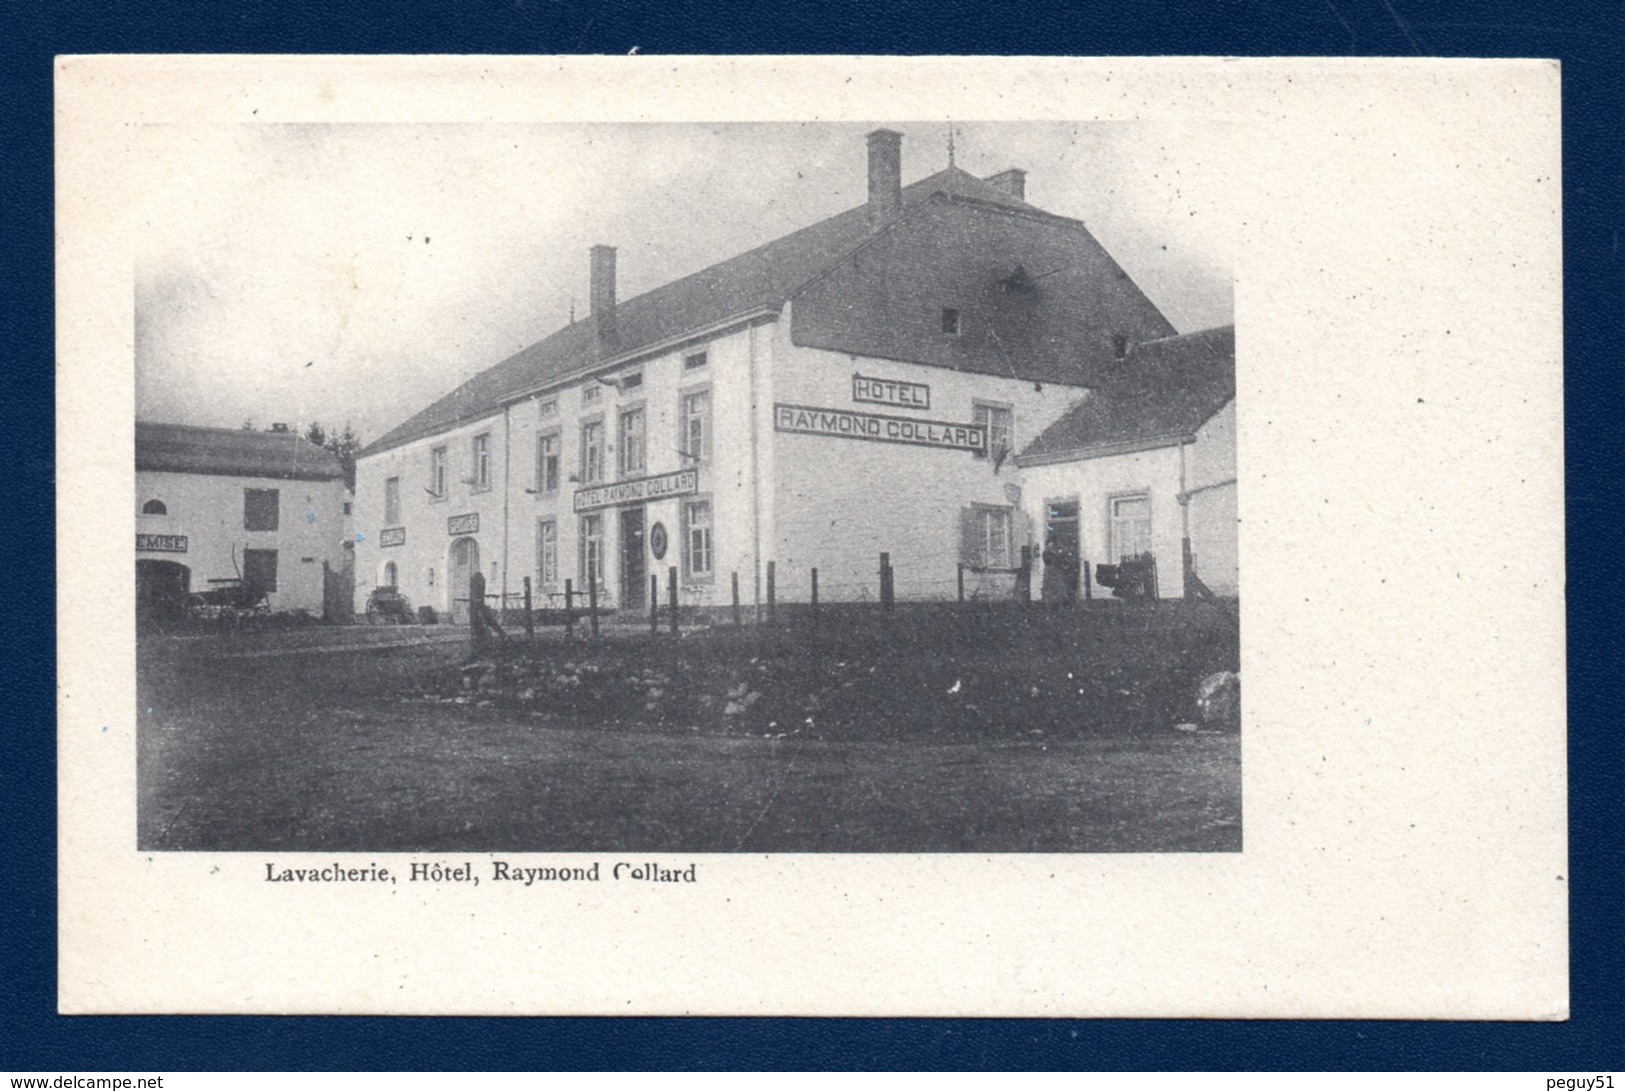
(676, 483)
(878, 427)
(463, 524)
(396, 536)
(160, 543)
(866, 388)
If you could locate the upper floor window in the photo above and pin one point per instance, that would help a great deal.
(547, 463)
(482, 461)
(1000, 422)
(696, 420)
(262, 509)
(392, 501)
(437, 472)
(694, 361)
(592, 452)
(591, 393)
(154, 507)
(634, 443)
(548, 407)
(632, 381)
(950, 321)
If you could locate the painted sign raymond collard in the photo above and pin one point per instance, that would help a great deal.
(878, 427)
(638, 491)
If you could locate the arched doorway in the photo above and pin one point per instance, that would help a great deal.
(161, 588)
(465, 561)
(390, 576)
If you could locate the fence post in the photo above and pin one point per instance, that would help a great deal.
(1088, 584)
(772, 606)
(961, 581)
(592, 596)
(671, 595)
(1024, 578)
(654, 604)
(530, 622)
(885, 582)
(736, 599)
(569, 608)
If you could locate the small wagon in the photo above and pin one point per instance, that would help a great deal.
(387, 606)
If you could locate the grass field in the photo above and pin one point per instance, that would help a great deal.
(940, 740)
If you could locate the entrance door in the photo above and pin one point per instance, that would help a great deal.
(465, 561)
(1061, 551)
(634, 569)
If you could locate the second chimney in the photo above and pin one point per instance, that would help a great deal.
(885, 177)
(602, 297)
(1012, 181)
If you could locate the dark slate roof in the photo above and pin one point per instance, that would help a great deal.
(235, 452)
(759, 278)
(1162, 392)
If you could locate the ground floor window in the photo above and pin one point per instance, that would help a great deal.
(547, 552)
(259, 569)
(985, 536)
(1130, 526)
(592, 547)
(698, 555)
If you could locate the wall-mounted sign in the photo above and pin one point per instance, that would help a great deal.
(866, 388)
(396, 536)
(676, 483)
(463, 524)
(657, 541)
(878, 427)
(160, 543)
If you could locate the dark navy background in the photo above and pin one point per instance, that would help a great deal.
(1588, 37)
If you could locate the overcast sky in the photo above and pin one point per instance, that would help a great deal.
(357, 272)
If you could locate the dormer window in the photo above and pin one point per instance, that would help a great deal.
(950, 321)
(1119, 346)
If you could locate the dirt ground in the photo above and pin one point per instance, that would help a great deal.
(286, 747)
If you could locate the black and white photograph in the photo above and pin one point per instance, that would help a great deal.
(688, 488)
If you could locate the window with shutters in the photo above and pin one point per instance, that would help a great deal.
(547, 463)
(592, 548)
(482, 463)
(437, 473)
(1130, 531)
(592, 452)
(985, 539)
(261, 509)
(1000, 422)
(696, 422)
(633, 454)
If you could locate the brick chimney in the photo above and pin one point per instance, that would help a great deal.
(885, 177)
(1012, 182)
(601, 301)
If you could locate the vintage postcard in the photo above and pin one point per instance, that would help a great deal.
(812, 536)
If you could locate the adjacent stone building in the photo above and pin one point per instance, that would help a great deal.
(860, 386)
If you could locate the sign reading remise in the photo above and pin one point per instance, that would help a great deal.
(878, 427)
(160, 543)
(676, 483)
